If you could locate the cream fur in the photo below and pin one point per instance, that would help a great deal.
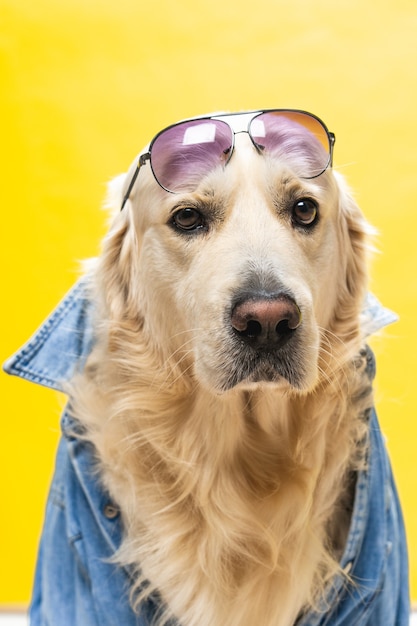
(231, 498)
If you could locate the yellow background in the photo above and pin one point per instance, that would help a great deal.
(86, 83)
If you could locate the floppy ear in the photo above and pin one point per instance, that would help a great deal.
(354, 233)
(118, 263)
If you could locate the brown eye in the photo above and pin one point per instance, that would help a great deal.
(305, 212)
(188, 219)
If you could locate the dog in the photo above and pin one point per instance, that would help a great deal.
(227, 394)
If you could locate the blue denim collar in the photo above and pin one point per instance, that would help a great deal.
(61, 345)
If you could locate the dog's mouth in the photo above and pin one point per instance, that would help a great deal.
(284, 364)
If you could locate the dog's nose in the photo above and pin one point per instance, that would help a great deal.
(266, 321)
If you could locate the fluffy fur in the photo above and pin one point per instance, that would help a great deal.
(233, 476)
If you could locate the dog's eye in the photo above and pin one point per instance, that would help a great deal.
(305, 212)
(188, 219)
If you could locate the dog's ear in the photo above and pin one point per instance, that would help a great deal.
(354, 234)
(118, 264)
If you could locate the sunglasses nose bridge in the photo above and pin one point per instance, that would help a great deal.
(237, 122)
(250, 139)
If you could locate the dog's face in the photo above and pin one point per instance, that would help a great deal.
(242, 279)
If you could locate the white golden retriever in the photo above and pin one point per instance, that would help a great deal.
(223, 396)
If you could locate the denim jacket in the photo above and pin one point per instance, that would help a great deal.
(76, 584)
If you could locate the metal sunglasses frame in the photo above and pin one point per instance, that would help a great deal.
(250, 115)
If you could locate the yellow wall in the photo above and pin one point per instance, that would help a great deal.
(86, 83)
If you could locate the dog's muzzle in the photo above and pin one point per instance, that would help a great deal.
(265, 341)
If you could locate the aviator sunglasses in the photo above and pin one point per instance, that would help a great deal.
(183, 154)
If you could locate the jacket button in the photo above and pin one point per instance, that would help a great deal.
(111, 511)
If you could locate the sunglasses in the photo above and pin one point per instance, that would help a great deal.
(183, 154)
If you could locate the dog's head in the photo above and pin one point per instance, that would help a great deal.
(254, 277)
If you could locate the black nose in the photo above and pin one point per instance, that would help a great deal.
(266, 322)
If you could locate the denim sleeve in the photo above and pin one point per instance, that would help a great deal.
(75, 583)
(62, 590)
(377, 592)
(391, 604)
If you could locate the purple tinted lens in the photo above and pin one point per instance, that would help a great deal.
(295, 137)
(182, 155)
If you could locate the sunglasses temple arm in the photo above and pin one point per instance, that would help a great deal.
(332, 142)
(142, 159)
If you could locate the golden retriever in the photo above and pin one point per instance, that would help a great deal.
(223, 396)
